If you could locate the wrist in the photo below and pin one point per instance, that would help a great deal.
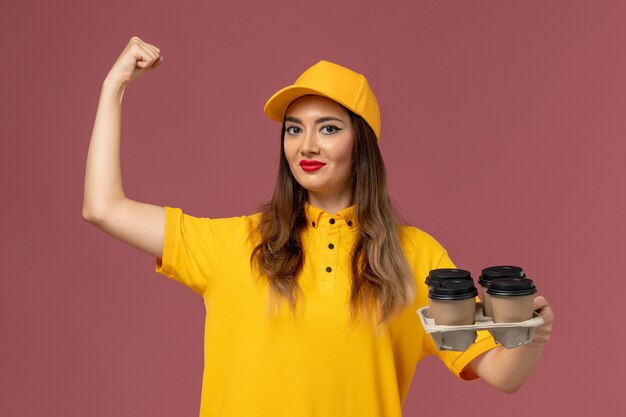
(113, 88)
(114, 83)
(536, 345)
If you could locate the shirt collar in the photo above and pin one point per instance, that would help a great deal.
(315, 216)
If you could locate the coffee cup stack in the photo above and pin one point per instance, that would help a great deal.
(507, 302)
(495, 272)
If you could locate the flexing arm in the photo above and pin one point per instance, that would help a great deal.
(104, 203)
(508, 369)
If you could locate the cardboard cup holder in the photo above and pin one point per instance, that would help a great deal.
(459, 338)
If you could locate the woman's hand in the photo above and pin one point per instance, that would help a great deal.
(508, 369)
(542, 333)
(136, 58)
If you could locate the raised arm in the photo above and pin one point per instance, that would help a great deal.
(105, 205)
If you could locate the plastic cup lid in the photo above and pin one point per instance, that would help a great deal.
(511, 287)
(453, 289)
(437, 276)
(500, 271)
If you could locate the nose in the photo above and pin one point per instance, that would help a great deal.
(309, 142)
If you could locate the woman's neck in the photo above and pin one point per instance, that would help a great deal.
(330, 203)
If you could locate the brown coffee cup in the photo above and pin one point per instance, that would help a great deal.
(494, 272)
(453, 302)
(511, 299)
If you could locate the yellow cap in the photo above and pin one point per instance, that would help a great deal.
(346, 87)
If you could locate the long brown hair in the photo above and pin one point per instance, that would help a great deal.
(382, 281)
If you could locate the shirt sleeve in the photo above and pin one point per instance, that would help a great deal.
(457, 362)
(196, 249)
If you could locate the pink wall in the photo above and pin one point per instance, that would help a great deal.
(503, 132)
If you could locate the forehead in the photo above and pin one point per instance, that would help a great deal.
(315, 105)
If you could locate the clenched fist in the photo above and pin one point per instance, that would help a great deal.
(136, 58)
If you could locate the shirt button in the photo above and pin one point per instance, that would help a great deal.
(332, 221)
(331, 246)
(313, 224)
(328, 269)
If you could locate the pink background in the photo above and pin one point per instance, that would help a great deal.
(503, 130)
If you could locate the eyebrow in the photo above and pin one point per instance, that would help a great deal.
(318, 121)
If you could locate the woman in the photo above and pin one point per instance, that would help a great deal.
(311, 302)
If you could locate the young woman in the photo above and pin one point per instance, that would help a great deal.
(310, 303)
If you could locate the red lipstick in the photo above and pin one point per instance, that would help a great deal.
(311, 165)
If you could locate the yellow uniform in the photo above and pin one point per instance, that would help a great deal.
(314, 363)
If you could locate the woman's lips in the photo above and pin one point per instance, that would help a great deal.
(311, 165)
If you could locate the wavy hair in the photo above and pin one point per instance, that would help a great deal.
(382, 281)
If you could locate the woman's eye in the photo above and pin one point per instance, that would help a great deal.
(330, 129)
(293, 130)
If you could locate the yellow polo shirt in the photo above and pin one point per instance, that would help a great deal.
(313, 364)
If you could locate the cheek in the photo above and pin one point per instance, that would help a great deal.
(289, 151)
(344, 152)
(291, 155)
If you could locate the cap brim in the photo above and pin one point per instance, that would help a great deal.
(277, 104)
